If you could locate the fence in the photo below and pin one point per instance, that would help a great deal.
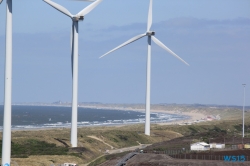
(181, 154)
(203, 157)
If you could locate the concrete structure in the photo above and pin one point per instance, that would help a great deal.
(200, 146)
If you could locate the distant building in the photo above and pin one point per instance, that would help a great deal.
(200, 146)
(234, 147)
(217, 146)
(210, 118)
(57, 102)
(247, 146)
(240, 146)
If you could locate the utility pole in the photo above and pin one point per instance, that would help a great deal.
(243, 124)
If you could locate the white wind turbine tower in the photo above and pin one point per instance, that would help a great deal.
(74, 59)
(150, 35)
(6, 144)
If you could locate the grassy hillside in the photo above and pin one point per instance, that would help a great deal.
(28, 145)
(53, 146)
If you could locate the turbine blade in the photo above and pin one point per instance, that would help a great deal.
(58, 7)
(159, 43)
(150, 13)
(1, 1)
(89, 8)
(125, 43)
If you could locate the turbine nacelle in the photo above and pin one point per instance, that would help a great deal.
(78, 18)
(150, 33)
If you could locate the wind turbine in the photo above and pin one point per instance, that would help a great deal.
(6, 144)
(74, 59)
(150, 34)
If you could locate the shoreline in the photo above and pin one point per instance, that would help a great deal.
(192, 117)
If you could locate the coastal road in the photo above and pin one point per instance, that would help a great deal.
(113, 150)
(132, 148)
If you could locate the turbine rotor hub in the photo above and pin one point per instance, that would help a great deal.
(78, 18)
(150, 33)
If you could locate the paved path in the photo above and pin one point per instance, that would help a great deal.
(132, 148)
(113, 151)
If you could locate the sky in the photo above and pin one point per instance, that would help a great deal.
(212, 36)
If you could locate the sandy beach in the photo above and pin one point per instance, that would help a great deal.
(194, 116)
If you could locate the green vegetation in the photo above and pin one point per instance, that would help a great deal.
(120, 138)
(35, 147)
(193, 130)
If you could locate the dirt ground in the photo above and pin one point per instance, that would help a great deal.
(112, 162)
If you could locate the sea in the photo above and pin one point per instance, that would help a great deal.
(43, 117)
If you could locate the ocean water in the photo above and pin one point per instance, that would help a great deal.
(32, 117)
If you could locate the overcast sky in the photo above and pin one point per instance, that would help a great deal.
(212, 36)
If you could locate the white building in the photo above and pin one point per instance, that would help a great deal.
(217, 146)
(200, 146)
